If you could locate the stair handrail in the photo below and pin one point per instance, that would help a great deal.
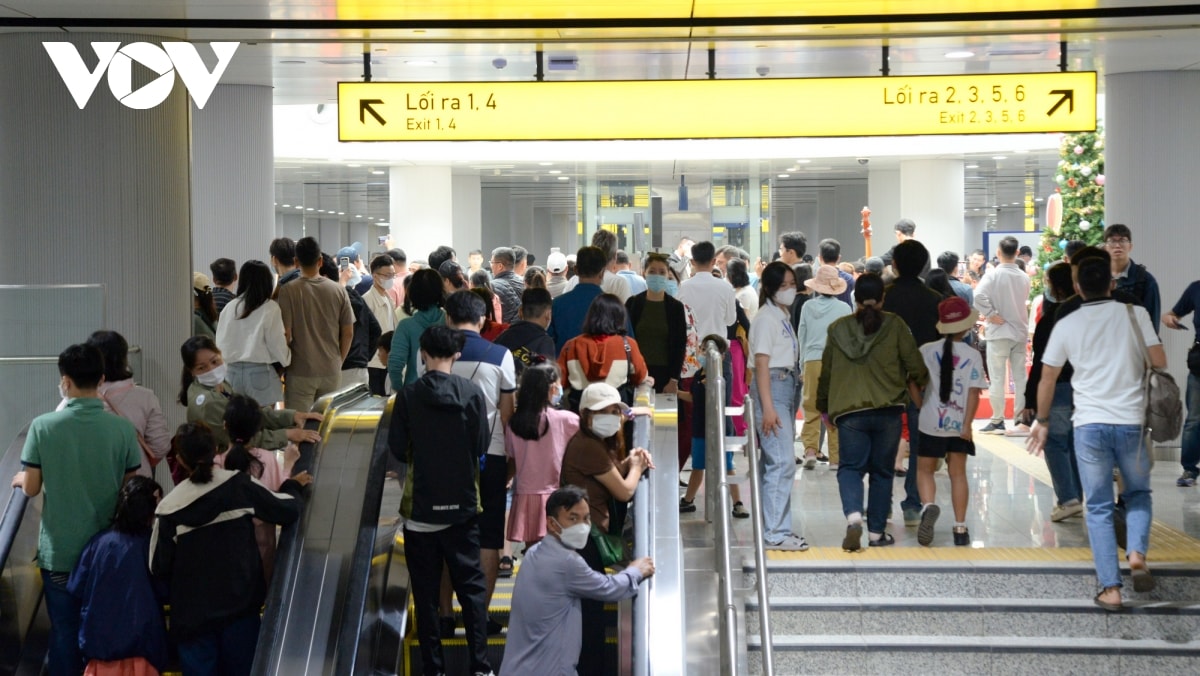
(719, 513)
(753, 454)
(643, 537)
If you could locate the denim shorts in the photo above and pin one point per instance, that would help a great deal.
(698, 448)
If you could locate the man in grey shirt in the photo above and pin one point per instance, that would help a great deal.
(545, 627)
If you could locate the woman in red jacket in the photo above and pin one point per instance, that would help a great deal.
(602, 353)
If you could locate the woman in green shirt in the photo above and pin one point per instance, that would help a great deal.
(660, 326)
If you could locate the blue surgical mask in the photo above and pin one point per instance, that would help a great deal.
(672, 287)
(555, 398)
(657, 283)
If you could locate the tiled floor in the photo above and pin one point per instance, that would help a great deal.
(1010, 504)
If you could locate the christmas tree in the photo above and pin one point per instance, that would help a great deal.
(1079, 198)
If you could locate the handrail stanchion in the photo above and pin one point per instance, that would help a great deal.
(760, 555)
(643, 536)
(717, 501)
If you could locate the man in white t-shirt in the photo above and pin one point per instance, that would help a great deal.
(711, 299)
(612, 283)
(1000, 298)
(1099, 341)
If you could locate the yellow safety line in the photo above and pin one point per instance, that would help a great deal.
(1159, 554)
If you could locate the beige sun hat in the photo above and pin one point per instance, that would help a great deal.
(827, 281)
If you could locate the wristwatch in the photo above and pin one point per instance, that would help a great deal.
(1042, 421)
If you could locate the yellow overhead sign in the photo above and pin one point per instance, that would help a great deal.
(681, 109)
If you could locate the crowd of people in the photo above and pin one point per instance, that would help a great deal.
(511, 377)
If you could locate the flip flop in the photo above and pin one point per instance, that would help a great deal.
(1110, 607)
(506, 566)
(1143, 581)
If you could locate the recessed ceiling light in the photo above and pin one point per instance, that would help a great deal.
(287, 206)
(300, 206)
(554, 171)
(1039, 199)
(1020, 152)
(546, 164)
(358, 215)
(972, 166)
(320, 211)
(341, 213)
(793, 168)
(998, 157)
(564, 178)
(803, 161)
(378, 172)
(961, 54)
(383, 223)
(783, 175)
(354, 166)
(309, 209)
(421, 62)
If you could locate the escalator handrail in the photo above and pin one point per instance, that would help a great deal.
(643, 541)
(14, 510)
(357, 590)
(289, 548)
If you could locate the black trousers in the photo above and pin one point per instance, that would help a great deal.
(458, 548)
(592, 655)
(377, 381)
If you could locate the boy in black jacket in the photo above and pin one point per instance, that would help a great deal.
(439, 429)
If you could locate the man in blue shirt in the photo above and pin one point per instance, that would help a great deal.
(1189, 456)
(545, 626)
(566, 319)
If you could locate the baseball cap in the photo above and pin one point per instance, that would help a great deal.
(201, 282)
(556, 262)
(347, 252)
(954, 315)
(600, 395)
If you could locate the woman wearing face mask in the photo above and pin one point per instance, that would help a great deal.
(250, 334)
(379, 301)
(660, 324)
(535, 440)
(205, 392)
(595, 460)
(773, 344)
(602, 353)
(691, 366)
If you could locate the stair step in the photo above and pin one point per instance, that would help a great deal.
(1165, 620)
(889, 654)
(981, 580)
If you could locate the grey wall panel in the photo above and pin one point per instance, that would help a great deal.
(1151, 148)
(232, 175)
(99, 195)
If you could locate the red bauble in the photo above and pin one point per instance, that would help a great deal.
(1071, 183)
(1047, 248)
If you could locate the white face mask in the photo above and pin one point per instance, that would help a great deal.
(785, 296)
(576, 536)
(387, 284)
(62, 389)
(606, 425)
(212, 378)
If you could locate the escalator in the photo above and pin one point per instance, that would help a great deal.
(24, 625)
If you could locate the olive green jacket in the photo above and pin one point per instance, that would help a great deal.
(861, 372)
(205, 404)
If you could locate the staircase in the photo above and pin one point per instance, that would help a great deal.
(981, 617)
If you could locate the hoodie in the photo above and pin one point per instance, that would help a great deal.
(816, 316)
(406, 340)
(861, 372)
(601, 359)
(440, 430)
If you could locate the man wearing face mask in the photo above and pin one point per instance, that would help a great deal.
(379, 302)
(544, 630)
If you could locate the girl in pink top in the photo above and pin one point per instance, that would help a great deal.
(536, 437)
(243, 419)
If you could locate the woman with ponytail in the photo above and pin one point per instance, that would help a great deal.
(949, 407)
(868, 364)
(203, 543)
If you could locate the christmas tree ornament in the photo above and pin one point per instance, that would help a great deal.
(1060, 178)
(1086, 171)
(1085, 225)
(1054, 213)
(1078, 150)
(1062, 244)
(1100, 179)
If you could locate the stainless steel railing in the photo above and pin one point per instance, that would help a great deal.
(717, 505)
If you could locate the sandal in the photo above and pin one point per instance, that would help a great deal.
(1143, 581)
(506, 566)
(1110, 607)
(884, 540)
(739, 511)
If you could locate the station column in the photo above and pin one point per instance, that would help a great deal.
(422, 210)
(98, 195)
(233, 188)
(931, 195)
(1151, 148)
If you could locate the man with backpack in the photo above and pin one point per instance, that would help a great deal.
(1132, 278)
(1100, 342)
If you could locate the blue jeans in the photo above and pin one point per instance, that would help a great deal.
(778, 465)
(229, 651)
(1190, 455)
(912, 499)
(65, 611)
(867, 441)
(1099, 448)
(1060, 446)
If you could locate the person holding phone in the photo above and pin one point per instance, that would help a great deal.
(1189, 455)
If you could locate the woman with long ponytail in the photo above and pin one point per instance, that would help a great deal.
(868, 367)
(950, 401)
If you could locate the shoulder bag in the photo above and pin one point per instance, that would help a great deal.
(146, 452)
(1164, 406)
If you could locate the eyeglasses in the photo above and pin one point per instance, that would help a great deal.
(1117, 241)
(383, 276)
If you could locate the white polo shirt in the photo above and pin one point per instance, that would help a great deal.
(712, 301)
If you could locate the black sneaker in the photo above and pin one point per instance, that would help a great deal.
(686, 505)
(853, 540)
(739, 511)
(446, 626)
(494, 628)
(994, 427)
(821, 457)
(962, 538)
(1188, 480)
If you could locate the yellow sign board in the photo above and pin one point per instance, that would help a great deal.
(683, 109)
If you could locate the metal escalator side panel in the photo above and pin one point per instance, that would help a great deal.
(368, 579)
(286, 585)
(20, 580)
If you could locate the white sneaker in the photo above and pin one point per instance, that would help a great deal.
(1017, 431)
